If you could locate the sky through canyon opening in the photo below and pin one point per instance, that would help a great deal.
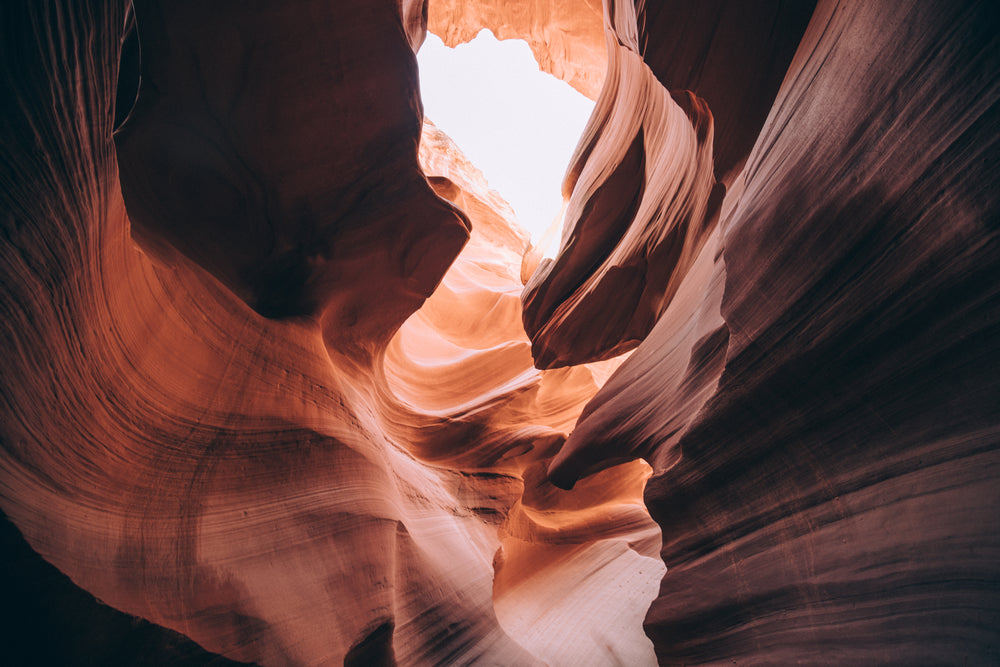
(517, 124)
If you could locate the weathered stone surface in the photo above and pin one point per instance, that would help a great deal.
(278, 408)
(250, 146)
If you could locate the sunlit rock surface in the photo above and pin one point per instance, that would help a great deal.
(301, 485)
(284, 405)
(575, 570)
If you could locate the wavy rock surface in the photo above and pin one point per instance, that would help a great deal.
(818, 400)
(642, 185)
(260, 409)
(331, 485)
(575, 571)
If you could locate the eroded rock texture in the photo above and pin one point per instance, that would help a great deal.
(226, 428)
(278, 397)
(819, 399)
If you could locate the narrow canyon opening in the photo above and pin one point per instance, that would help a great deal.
(574, 571)
(514, 122)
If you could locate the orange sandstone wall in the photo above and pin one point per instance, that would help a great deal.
(228, 408)
(265, 382)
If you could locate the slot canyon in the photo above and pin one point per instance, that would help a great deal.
(283, 382)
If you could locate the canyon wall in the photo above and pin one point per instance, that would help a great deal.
(219, 414)
(818, 399)
(270, 380)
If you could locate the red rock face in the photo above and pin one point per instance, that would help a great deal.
(264, 387)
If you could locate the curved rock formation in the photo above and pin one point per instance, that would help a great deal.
(284, 405)
(818, 399)
(247, 169)
(642, 187)
(227, 429)
(575, 570)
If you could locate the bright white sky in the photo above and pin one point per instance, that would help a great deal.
(518, 125)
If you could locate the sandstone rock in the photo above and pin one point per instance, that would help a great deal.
(815, 400)
(283, 404)
(284, 471)
(642, 186)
